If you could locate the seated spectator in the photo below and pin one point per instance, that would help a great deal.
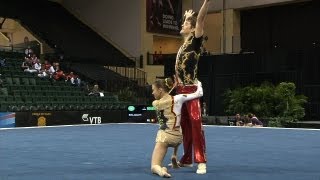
(46, 72)
(25, 65)
(246, 121)
(34, 65)
(28, 51)
(255, 121)
(51, 71)
(34, 59)
(238, 120)
(69, 76)
(27, 56)
(42, 72)
(76, 81)
(37, 66)
(95, 91)
(47, 65)
(59, 74)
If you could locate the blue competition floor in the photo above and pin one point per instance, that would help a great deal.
(123, 151)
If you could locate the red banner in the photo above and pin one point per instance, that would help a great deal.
(164, 16)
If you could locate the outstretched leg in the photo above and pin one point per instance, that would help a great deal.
(198, 139)
(158, 154)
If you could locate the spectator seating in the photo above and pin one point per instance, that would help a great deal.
(22, 91)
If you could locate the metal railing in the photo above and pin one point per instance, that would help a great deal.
(132, 73)
(12, 48)
(34, 45)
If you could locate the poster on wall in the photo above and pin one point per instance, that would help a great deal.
(164, 16)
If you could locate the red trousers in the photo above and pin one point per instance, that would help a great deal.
(192, 130)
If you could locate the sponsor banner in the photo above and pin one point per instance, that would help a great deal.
(98, 117)
(7, 120)
(41, 118)
(91, 118)
(26, 119)
(164, 16)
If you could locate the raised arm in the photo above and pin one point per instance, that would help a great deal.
(201, 18)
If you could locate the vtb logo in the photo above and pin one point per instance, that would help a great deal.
(92, 120)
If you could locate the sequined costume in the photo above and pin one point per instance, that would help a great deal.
(186, 71)
(169, 116)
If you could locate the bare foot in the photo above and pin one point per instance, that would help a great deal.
(165, 173)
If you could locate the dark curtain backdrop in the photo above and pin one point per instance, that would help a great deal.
(287, 27)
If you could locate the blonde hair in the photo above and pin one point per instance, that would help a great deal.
(166, 84)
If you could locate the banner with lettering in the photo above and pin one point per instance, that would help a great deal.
(164, 16)
(55, 118)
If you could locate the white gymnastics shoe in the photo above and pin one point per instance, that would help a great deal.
(202, 168)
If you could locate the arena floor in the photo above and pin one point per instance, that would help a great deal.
(123, 151)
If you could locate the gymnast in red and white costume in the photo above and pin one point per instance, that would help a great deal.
(186, 73)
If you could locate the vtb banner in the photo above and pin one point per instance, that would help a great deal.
(164, 16)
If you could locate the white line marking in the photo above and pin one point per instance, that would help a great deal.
(74, 125)
(278, 128)
(219, 126)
